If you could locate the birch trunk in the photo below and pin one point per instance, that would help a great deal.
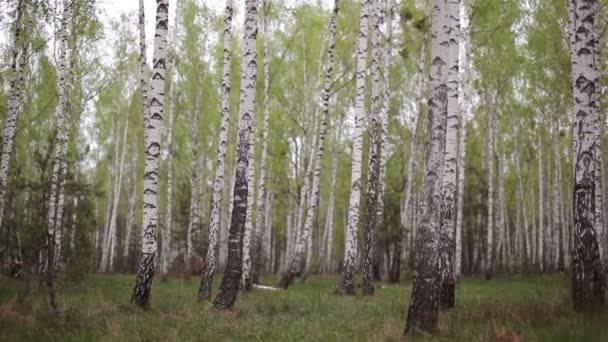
(230, 282)
(143, 285)
(561, 259)
(50, 257)
(489, 264)
(259, 255)
(130, 216)
(304, 241)
(588, 280)
(521, 195)
(14, 102)
(466, 109)
(347, 280)
(502, 222)
(424, 304)
(249, 234)
(371, 194)
(113, 219)
(329, 218)
(168, 156)
(541, 206)
(407, 208)
(388, 16)
(447, 242)
(143, 70)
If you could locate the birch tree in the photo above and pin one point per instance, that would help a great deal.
(447, 243)
(588, 280)
(232, 276)
(143, 284)
(249, 234)
(259, 255)
(489, 262)
(204, 291)
(407, 209)
(58, 156)
(346, 283)
(424, 303)
(16, 86)
(371, 194)
(303, 240)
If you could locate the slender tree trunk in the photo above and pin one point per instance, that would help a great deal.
(541, 207)
(447, 242)
(329, 217)
(466, 108)
(407, 208)
(521, 194)
(588, 279)
(15, 100)
(558, 204)
(230, 282)
(249, 234)
(114, 218)
(371, 194)
(143, 285)
(424, 303)
(347, 280)
(56, 176)
(259, 255)
(303, 240)
(168, 159)
(502, 222)
(130, 216)
(489, 264)
(387, 15)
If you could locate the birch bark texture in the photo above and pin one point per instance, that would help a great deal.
(260, 229)
(407, 209)
(588, 279)
(232, 276)
(296, 261)
(58, 158)
(373, 166)
(14, 103)
(447, 243)
(204, 291)
(346, 285)
(147, 266)
(249, 234)
(424, 303)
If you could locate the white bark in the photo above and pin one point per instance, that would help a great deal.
(260, 230)
(143, 286)
(329, 218)
(130, 214)
(249, 234)
(424, 303)
(305, 239)
(168, 156)
(407, 208)
(14, 102)
(386, 104)
(541, 206)
(347, 284)
(232, 276)
(60, 138)
(447, 242)
(371, 193)
(489, 264)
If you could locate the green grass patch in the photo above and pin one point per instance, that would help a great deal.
(531, 308)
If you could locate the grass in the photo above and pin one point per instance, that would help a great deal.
(530, 308)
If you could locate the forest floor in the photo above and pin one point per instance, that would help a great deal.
(531, 308)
